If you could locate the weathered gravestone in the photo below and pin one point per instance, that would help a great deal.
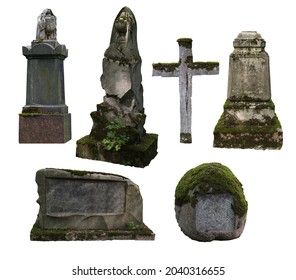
(210, 203)
(45, 117)
(249, 119)
(185, 69)
(83, 205)
(118, 133)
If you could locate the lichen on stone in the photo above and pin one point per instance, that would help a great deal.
(210, 178)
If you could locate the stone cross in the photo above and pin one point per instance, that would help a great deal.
(185, 69)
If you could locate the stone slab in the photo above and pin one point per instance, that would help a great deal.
(66, 197)
(42, 128)
(83, 205)
(138, 155)
(214, 213)
(38, 234)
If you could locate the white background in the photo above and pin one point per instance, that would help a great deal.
(266, 249)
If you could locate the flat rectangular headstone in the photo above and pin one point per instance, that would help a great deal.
(86, 200)
(65, 197)
(214, 213)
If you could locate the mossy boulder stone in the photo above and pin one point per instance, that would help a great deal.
(210, 203)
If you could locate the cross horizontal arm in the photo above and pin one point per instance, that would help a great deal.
(204, 68)
(166, 69)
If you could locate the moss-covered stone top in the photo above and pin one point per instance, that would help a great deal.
(210, 178)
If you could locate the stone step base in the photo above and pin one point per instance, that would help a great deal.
(138, 155)
(248, 137)
(39, 234)
(44, 128)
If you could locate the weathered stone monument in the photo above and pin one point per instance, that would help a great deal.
(210, 203)
(249, 119)
(185, 69)
(118, 133)
(45, 117)
(83, 205)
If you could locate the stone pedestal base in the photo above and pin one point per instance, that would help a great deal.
(138, 155)
(39, 234)
(269, 136)
(44, 128)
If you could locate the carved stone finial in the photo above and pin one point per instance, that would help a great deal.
(46, 26)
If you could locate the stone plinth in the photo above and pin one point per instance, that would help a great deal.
(44, 128)
(138, 155)
(249, 119)
(45, 117)
(82, 205)
(210, 203)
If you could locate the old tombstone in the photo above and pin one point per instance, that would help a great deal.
(185, 69)
(249, 119)
(45, 117)
(210, 203)
(118, 133)
(84, 205)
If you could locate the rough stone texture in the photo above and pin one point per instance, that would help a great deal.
(118, 123)
(39, 234)
(42, 128)
(83, 203)
(249, 119)
(185, 69)
(45, 95)
(139, 155)
(214, 213)
(210, 204)
(46, 26)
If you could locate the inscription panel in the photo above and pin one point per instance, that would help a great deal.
(214, 213)
(66, 197)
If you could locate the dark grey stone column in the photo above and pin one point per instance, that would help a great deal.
(45, 117)
(45, 77)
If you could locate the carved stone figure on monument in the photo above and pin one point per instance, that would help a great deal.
(45, 117)
(249, 119)
(210, 203)
(47, 26)
(118, 134)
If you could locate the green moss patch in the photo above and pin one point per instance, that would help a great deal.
(210, 178)
(140, 233)
(138, 155)
(221, 127)
(209, 66)
(239, 105)
(167, 67)
(269, 136)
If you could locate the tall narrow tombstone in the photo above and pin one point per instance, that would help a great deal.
(249, 119)
(45, 117)
(185, 69)
(118, 133)
(84, 205)
(210, 203)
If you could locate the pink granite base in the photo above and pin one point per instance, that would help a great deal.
(44, 128)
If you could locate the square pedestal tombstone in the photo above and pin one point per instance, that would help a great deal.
(45, 117)
(82, 205)
(249, 120)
